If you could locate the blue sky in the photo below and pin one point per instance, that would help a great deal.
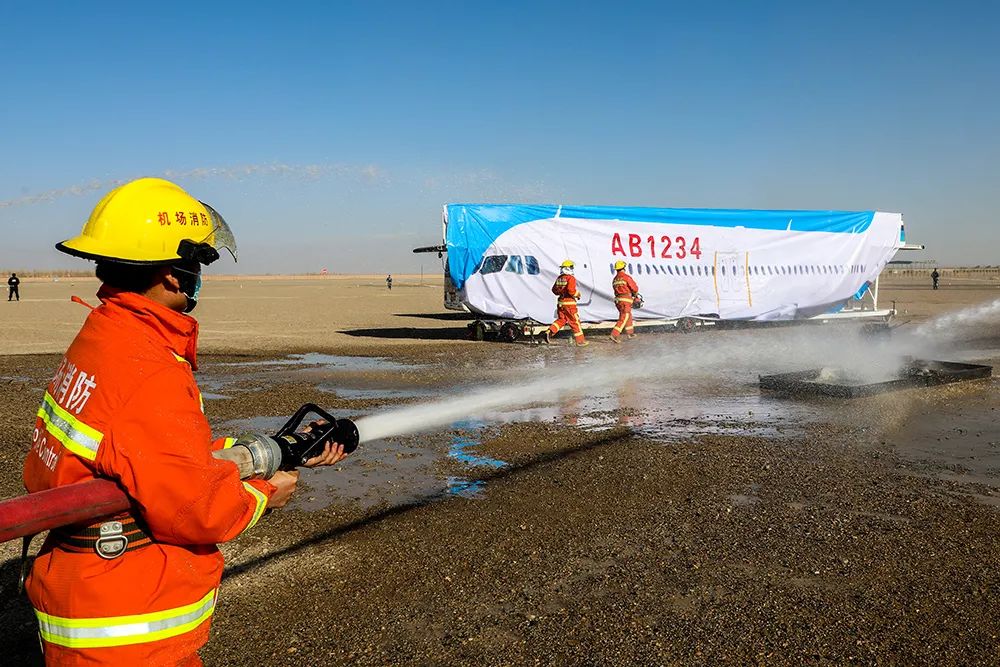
(330, 134)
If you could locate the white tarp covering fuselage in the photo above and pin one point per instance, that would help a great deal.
(729, 264)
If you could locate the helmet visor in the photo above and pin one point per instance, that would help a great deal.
(221, 235)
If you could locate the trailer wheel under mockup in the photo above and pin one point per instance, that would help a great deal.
(686, 324)
(509, 332)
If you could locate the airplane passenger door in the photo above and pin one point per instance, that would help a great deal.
(732, 289)
(576, 250)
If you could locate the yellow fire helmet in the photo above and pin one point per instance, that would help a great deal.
(568, 264)
(619, 265)
(151, 221)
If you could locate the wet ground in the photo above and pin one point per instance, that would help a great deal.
(663, 511)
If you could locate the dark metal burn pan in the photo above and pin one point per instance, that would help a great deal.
(913, 373)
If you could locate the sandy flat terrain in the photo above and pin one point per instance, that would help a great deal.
(268, 314)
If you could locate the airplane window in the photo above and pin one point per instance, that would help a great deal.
(493, 263)
(723, 269)
(769, 271)
(656, 269)
(670, 269)
(612, 268)
(630, 268)
(532, 265)
(516, 264)
(647, 268)
(685, 270)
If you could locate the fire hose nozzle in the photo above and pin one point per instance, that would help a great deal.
(259, 456)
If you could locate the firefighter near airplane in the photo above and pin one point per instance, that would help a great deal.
(256, 455)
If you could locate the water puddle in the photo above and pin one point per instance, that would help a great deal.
(373, 394)
(466, 488)
(327, 361)
(671, 412)
(461, 444)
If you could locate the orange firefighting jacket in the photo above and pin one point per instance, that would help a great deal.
(124, 406)
(624, 287)
(565, 289)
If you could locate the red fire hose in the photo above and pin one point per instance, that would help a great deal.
(83, 502)
(255, 455)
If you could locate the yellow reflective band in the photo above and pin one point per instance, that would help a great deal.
(261, 500)
(623, 299)
(228, 442)
(74, 435)
(180, 358)
(124, 630)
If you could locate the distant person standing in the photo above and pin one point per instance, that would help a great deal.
(12, 284)
(625, 290)
(388, 281)
(935, 277)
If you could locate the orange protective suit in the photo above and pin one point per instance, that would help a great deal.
(566, 312)
(625, 289)
(124, 406)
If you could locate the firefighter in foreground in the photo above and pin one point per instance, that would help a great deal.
(626, 292)
(124, 405)
(566, 312)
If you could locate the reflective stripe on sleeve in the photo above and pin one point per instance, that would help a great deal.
(124, 630)
(228, 442)
(261, 501)
(74, 435)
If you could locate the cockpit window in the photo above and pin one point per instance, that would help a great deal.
(493, 263)
(532, 265)
(516, 264)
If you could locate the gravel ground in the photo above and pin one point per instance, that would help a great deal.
(868, 542)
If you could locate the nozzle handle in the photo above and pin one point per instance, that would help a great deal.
(342, 431)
